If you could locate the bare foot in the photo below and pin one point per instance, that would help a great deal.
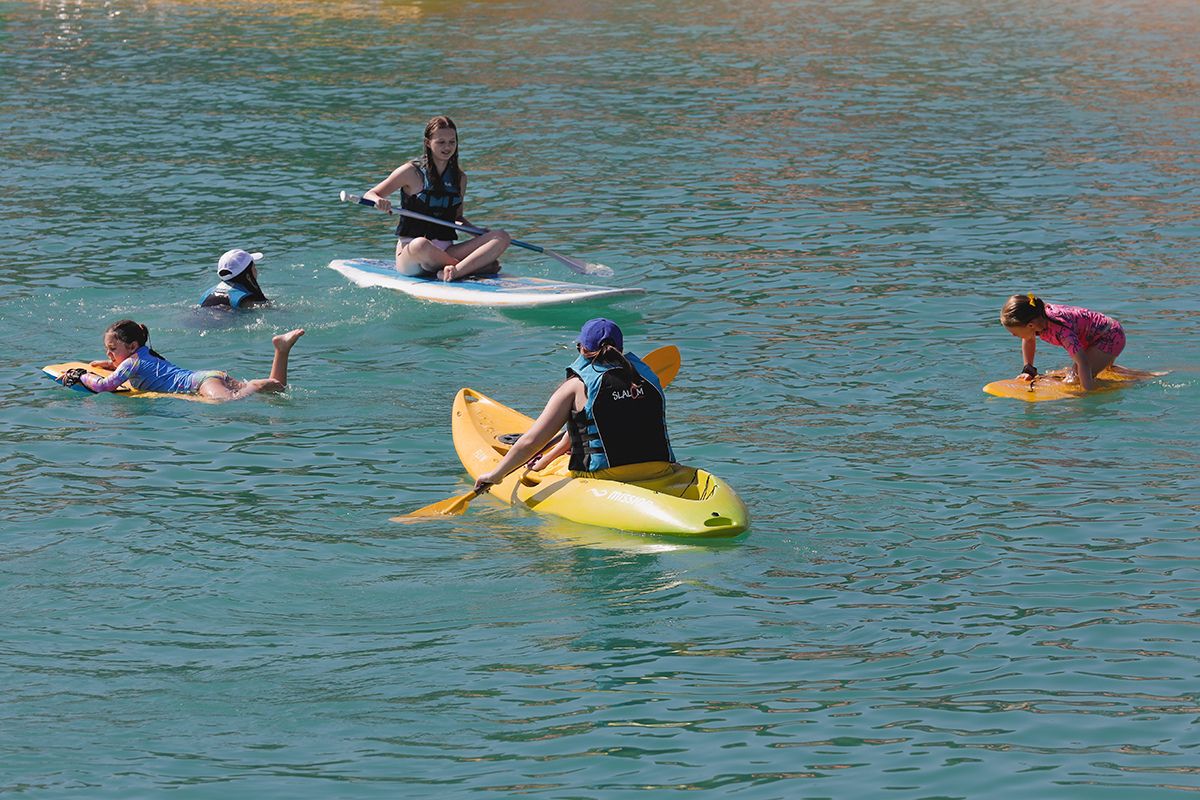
(448, 272)
(284, 341)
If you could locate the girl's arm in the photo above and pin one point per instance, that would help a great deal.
(113, 381)
(563, 445)
(400, 177)
(1028, 351)
(553, 417)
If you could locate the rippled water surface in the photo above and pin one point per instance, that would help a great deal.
(941, 595)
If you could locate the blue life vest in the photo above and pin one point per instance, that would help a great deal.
(224, 294)
(621, 423)
(238, 292)
(443, 200)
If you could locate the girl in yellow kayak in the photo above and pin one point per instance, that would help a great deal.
(614, 410)
(435, 186)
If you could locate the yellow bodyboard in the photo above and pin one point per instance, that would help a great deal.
(1050, 385)
(55, 371)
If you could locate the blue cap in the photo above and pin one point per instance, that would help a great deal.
(595, 332)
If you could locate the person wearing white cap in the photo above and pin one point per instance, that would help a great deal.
(613, 406)
(239, 282)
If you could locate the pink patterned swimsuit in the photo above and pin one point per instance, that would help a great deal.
(1078, 329)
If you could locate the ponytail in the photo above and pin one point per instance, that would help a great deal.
(131, 332)
(1022, 309)
(609, 354)
(245, 280)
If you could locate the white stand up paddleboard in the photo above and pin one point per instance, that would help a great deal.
(485, 290)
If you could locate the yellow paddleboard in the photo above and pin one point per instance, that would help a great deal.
(1050, 385)
(55, 371)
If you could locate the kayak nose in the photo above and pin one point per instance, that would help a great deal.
(718, 524)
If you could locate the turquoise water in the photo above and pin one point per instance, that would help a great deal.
(941, 595)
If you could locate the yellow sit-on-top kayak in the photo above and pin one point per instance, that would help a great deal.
(669, 499)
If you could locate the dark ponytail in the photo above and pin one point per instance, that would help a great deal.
(246, 280)
(131, 332)
(1022, 309)
(609, 354)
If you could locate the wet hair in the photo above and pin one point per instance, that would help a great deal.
(1022, 309)
(435, 178)
(131, 332)
(246, 280)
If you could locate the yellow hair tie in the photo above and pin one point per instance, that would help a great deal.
(1032, 299)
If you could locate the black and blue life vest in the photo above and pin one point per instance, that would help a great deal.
(442, 199)
(622, 422)
(236, 293)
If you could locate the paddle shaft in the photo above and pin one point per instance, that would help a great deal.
(462, 226)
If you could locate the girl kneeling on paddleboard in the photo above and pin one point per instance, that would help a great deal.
(435, 186)
(614, 410)
(131, 359)
(1092, 339)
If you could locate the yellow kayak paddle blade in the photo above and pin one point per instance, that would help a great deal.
(451, 506)
(664, 361)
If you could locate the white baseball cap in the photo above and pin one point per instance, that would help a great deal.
(235, 262)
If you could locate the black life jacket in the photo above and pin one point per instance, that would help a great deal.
(623, 422)
(441, 198)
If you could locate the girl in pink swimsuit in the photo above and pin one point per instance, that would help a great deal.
(1092, 339)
